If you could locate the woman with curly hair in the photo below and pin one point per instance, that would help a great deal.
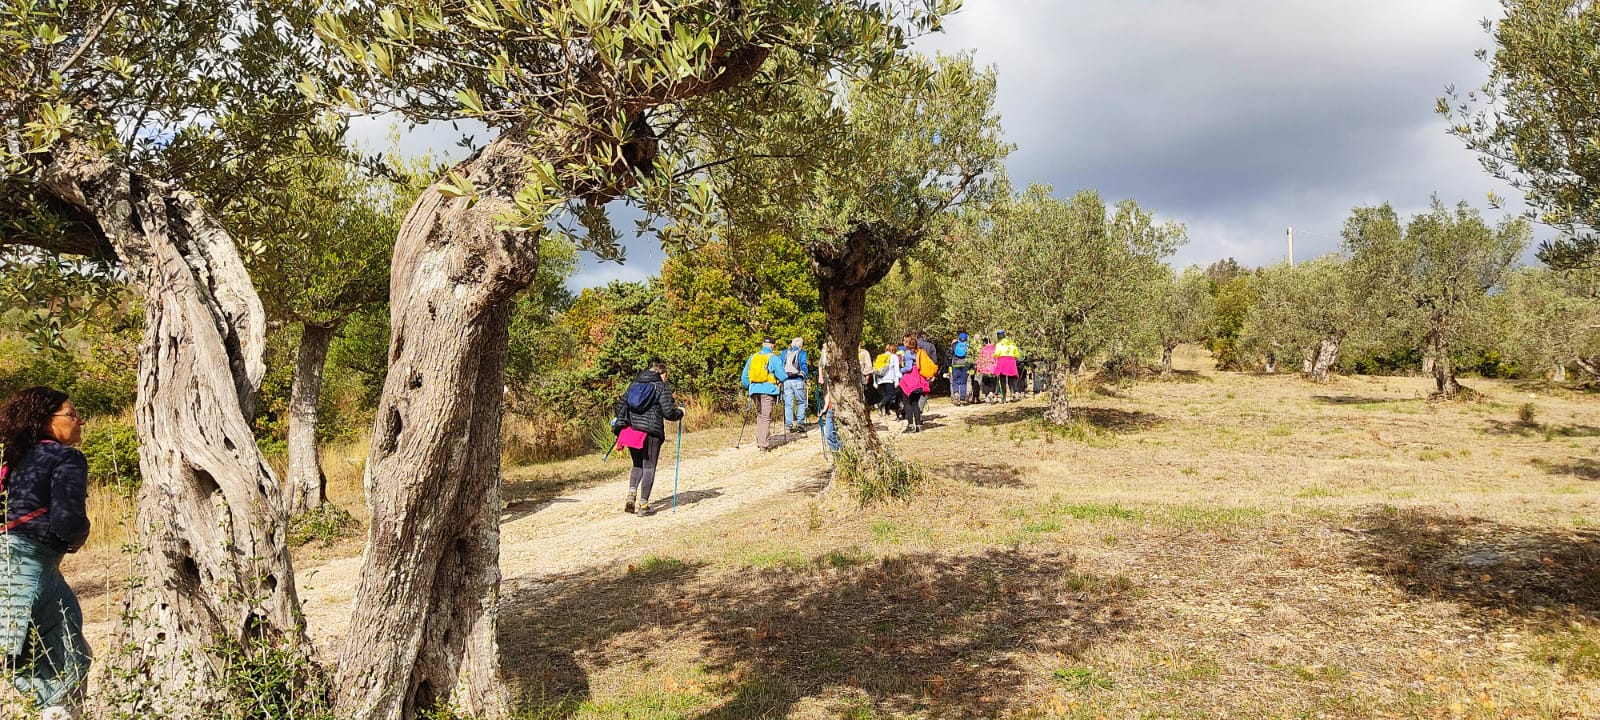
(45, 484)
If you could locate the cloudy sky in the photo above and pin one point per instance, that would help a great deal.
(1238, 118)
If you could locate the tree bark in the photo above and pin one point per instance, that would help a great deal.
(844, 274)
(844, 308)
(1166, 359)
(307, 483)
(1444, 371)
(1327, 357)
(1558, 374)
(1061, 376)
(1272, 364)
(1427, 361)
(422, 633)
(214, 565)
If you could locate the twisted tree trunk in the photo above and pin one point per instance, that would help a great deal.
(1061, 378)
(844, 275)
(1444, 370)
(308, 485)
(422, 634)
(1166, 359)
(214, 570)
(1327, 356)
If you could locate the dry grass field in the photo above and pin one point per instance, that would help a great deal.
(1218, 546)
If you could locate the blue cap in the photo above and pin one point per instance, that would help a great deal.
(961, 336)
(1000, 333)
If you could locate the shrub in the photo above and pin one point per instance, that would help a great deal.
(111, 445)
(891, 479)
(325, 525)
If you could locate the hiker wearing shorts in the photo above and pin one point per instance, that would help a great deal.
(760, 378)
(46, 484)
(646, 408)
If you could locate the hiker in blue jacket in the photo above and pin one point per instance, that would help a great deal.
(962, 361)
(795, 370)
(646, 407)
(46, 486)
(762, 378)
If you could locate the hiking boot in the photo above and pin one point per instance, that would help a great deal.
(644, 508)
(628, 506)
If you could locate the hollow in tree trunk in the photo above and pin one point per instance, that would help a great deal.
(214, 573)
(422, 633)
(1327, 356)
(307, 484)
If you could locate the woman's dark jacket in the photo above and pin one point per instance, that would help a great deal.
(652, 419)
(55, 476)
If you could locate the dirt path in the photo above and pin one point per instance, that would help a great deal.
(587, 528)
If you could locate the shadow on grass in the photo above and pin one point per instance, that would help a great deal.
(527, 496)
(1357, 400)
(1503, 571)
(1522, 429)
(1110, 419)
(916, 633)
(982, 475)
(1580, 468)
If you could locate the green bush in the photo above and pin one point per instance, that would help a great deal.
(325, 525)
(111, 445)
(892, 479)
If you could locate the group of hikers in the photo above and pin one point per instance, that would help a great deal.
(899, 380)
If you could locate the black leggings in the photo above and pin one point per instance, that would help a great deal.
(643, 476)
(891, 396)
(914, 408)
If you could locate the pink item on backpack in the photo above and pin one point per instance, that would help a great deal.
(630, 438)
(986, 359)
(914, 382)
(1005, 366)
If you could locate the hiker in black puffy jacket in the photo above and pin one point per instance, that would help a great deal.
(646, 407)
(45, 485)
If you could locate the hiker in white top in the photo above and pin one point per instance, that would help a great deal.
(795, 369)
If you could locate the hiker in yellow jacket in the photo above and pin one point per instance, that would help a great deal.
(1005, 366)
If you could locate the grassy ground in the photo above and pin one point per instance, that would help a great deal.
(1221, 545)
(1218, 546)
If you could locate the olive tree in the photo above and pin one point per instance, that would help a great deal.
(108, 112)
(584, 103)
(317, 247)
(1547, 321)
(1074, 275)
(1438, 274)
(1306, 312)
(1534, 121)
(1186, 312)
(861, 170)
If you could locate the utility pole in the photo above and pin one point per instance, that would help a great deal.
(1291, 246)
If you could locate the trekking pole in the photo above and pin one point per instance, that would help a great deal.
(746, 421)
(677, 456)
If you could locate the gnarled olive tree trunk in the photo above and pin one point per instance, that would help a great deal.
(214, 567)
(1166, 358)
(422, 633)
(1444, 369)
(1062, 376)
(308, 486)
(844, 275)
(1327, 356)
